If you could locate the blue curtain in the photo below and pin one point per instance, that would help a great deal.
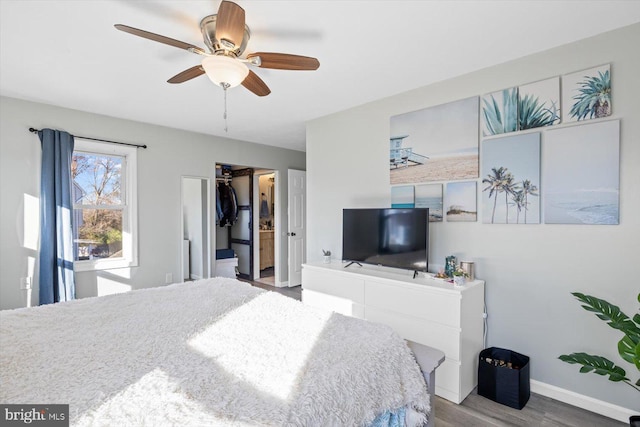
(56, 216)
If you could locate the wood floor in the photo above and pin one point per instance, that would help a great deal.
(477, 411)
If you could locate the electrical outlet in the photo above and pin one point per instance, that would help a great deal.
(168, 278)
(25, 282)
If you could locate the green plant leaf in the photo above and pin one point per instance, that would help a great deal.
(501, 120)
(629, 349)
(609, 313)
(594, 94)
(492, 117)
(534, 114)
(596, 364)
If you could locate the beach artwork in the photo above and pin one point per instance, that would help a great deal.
(511, 179)
(402, 196)
(581, 172)
(435, 144)
(500, 112)
(587, 94)
(461, 202)
(430, 196)
(539, 104)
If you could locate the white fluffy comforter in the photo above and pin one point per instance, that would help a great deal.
(212, 352)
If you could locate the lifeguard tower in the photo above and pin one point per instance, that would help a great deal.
(403, 156)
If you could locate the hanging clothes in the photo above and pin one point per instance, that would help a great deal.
(227, 204)
(264, 207)
(219, 213)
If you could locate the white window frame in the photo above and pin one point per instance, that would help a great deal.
(129, 212)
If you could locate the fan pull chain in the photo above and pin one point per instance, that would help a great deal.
(225, 86)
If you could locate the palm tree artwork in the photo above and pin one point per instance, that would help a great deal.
(497, 182)
(590, 93)
(528, 189)
(518, 202)
(594, 99)
(510, 178)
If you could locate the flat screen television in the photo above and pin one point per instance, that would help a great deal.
(393, 237)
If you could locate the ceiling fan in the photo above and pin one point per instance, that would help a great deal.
(226, 36)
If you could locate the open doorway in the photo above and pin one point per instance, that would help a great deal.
(251, 238)
(268, 227)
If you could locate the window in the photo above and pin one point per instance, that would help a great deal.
(104, 206)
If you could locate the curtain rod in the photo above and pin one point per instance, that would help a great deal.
(33, 130)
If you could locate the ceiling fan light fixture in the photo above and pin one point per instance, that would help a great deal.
(223, 69)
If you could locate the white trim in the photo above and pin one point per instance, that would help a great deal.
(581, 401)
(277, 226)
(206, 244)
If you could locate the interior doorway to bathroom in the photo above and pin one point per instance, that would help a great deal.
(267, 227)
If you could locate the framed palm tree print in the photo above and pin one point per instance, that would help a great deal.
(587, 94)
(511, 179)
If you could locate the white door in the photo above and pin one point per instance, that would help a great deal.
(297, 204)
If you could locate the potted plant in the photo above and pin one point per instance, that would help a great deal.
(327, 256)
(459, 276)
(628, 346)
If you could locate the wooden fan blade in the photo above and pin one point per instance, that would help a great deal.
(284, 61)
(255, 84)
(230, 24)
(160, 39)
(189, 74)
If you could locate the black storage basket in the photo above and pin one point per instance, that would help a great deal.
(503, 384)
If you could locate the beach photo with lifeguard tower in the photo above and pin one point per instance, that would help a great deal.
(435, 144)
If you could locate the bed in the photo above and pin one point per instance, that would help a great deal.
(215, 352)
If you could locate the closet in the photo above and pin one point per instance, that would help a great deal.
(234, 220)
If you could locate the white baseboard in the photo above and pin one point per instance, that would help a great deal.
(581, 401)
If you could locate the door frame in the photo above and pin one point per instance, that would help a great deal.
(277, 225)
(249, 172)
(207, 242)
(296, 233)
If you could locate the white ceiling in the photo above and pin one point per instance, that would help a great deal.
(68, 53)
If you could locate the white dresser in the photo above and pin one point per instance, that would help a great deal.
(425, 310)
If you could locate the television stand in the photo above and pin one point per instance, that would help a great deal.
(425, 310)
(353, 262)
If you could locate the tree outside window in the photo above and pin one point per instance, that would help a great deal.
(99, 203)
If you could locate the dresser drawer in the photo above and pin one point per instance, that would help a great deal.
(332, 303)
(448, 381)
(338, 285)
(444, 338)
(434, 306)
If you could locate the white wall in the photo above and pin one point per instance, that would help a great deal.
(529, 270)
(171, 154)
